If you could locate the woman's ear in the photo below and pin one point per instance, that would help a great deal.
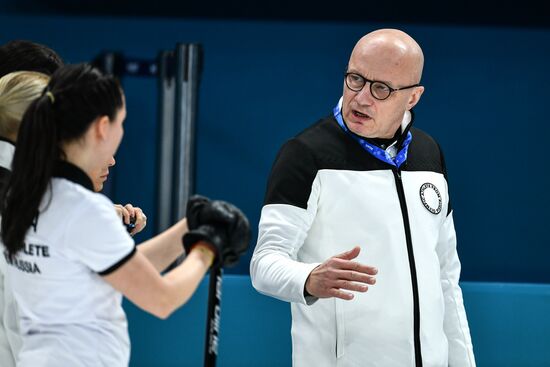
(101, 127)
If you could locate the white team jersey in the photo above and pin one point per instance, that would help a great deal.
(10, 341)
(69, 316)
(6, 153)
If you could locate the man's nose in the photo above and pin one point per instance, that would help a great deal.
(364, 96)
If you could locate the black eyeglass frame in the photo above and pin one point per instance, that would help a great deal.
(371, 82)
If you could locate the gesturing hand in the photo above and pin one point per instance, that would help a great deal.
(340, 273)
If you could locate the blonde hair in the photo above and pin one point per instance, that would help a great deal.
(17, 91)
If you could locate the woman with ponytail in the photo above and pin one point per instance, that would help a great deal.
(69, 257)
(17, 91)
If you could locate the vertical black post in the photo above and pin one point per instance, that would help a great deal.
(213, 317)
(187, 67)
(179, 76)
(165, 142)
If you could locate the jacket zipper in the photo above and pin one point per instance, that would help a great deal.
(412, 267)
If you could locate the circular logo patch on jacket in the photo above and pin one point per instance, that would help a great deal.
(431, 198)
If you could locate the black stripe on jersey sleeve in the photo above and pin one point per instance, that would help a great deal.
(291, 176)
(118, 263)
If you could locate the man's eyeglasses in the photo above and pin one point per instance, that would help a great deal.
(379, 90)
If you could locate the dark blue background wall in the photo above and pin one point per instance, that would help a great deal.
(486, 101)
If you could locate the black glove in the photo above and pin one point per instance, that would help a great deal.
(214, 237)
(194, 206)
(224, 217)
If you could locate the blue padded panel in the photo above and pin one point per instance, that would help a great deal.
(509, 323)
(254, 331)
(510, 326)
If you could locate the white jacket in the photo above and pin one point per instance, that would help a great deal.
(326, 195)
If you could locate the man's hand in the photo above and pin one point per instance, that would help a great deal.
(340, 273)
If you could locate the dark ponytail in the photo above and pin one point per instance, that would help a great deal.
(75, 96)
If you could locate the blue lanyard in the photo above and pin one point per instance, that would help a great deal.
(384, 155)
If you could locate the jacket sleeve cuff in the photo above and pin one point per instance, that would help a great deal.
(307, 299)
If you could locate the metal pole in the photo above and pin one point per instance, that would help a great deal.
(188, 60)
(165, 146)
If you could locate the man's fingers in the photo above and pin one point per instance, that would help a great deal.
(337, 276)
(338, 293)
(351, 275)
(357, 267)
(354, 277)
(336, 264)
(350, 286)
(351, 254)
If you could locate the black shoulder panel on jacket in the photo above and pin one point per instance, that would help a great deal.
(291, 175)
(450, 208)
(323, 145)
(424, 153)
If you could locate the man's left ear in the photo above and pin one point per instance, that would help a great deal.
(101, 127)
(415, 97)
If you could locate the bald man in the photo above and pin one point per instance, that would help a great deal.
(359, 201)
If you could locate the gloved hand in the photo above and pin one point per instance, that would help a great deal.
(195, 204)
(228, 223)
(214, 237)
